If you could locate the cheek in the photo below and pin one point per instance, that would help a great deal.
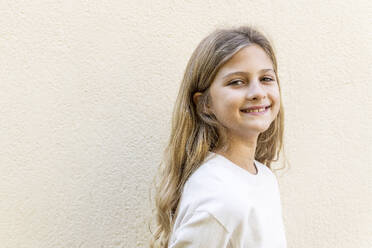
(277, 100)
(225, 102)
(277, 108)
(275, 94)
(225, 112)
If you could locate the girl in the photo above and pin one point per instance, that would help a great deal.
(216, 185)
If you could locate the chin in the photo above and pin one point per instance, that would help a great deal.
(259, 128)
(252, 131)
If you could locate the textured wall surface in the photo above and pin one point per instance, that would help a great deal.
(87, 90)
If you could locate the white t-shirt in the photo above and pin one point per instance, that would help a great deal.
(224, 205)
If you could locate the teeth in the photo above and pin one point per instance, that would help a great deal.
(255, 110)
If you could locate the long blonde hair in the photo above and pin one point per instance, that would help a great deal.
(195, 132)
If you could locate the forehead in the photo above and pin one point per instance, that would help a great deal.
(250, 59)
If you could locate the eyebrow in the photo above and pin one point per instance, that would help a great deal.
(245, 73)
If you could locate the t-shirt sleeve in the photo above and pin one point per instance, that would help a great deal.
(202, 229)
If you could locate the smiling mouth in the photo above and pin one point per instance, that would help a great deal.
(261, 110)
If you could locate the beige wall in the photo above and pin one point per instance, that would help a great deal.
(86, 95)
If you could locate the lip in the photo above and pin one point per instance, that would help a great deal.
(256, 107)
(257, 113)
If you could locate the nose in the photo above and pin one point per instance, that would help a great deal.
(255, 91)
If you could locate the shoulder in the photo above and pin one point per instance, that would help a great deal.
(208, 180)
(225, 192)
(212, 189)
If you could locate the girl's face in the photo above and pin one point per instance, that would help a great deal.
(247, 80)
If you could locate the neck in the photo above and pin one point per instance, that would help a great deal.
(241, 152)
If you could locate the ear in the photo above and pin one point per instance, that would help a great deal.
(195, 97)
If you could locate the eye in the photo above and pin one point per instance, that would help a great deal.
(267, 79)
(236, 82)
